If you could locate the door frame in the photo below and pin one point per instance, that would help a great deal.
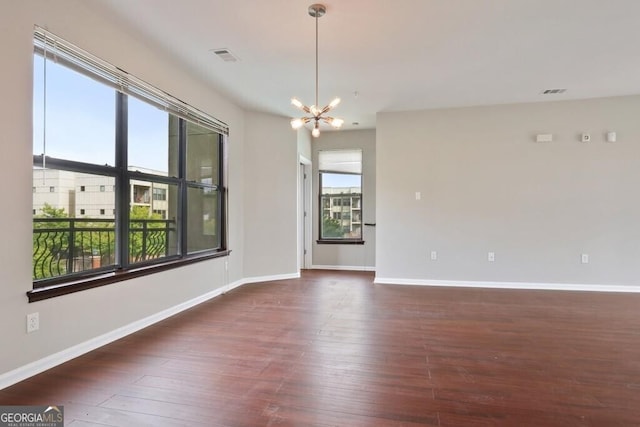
(304, 206)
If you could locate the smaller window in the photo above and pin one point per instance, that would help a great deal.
(34, 211)
(33, 189)
(101, 211)
(81, 211)
(159, 194)
(141, 194)
(102, 189)
(52, 189)
(340, 193)
(82, 188)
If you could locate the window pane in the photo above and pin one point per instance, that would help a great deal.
(152, 221)
(80, 115)
(203, 223)
(150, 147)
(341, 201)
(202, 155)
(72, 231)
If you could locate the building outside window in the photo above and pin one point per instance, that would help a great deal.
(341, 195)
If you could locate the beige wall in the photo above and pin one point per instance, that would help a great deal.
(487, 186)
(270, 202)
(346, 256)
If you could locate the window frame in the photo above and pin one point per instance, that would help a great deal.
(337, 240)
(123, 268)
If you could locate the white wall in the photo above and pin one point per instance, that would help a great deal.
(271, 177)
(73, 319)
(487, 186)
(361, 257)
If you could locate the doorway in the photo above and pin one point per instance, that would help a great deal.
(304, 214)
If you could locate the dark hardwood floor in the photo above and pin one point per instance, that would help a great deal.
(333, 349)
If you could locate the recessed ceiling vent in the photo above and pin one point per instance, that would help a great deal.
(225, 55)
(553, 91)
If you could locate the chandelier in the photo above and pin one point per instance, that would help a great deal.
(316, 113)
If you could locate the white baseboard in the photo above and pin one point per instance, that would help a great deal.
(34, 368)
(509, 285)
(258, 279)
(344, 267)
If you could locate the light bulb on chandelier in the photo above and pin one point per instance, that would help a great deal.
(317, 114)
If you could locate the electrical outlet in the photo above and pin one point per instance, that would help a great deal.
(434, 255)
(33, 322)
(491, 256)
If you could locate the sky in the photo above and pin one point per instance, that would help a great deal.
(80, 120)
(340, 180)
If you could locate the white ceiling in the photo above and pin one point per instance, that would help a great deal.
(397, 54)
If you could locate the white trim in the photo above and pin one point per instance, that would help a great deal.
(510, 285)
(258, 279)
(344, 267)
(304, 160)
(304, 222)
(9, 378)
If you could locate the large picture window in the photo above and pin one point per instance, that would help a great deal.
(340, 195)
(95, 129)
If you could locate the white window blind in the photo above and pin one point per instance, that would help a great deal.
(57, 49)
(342, 161)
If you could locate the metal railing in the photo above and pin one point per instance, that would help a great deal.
(70, 245)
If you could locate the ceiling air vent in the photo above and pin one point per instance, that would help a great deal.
(553, 91)
(225, 55)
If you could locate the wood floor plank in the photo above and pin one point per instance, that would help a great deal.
(334, 349)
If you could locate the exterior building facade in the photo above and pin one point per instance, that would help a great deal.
(93, 196)
(344, 205)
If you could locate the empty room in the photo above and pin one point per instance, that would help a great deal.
(347, 213)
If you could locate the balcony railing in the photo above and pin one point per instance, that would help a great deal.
(64, 246)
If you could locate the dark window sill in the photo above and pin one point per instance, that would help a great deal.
(339, 242)
(68, 287)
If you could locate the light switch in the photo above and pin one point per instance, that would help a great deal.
(418, 195)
